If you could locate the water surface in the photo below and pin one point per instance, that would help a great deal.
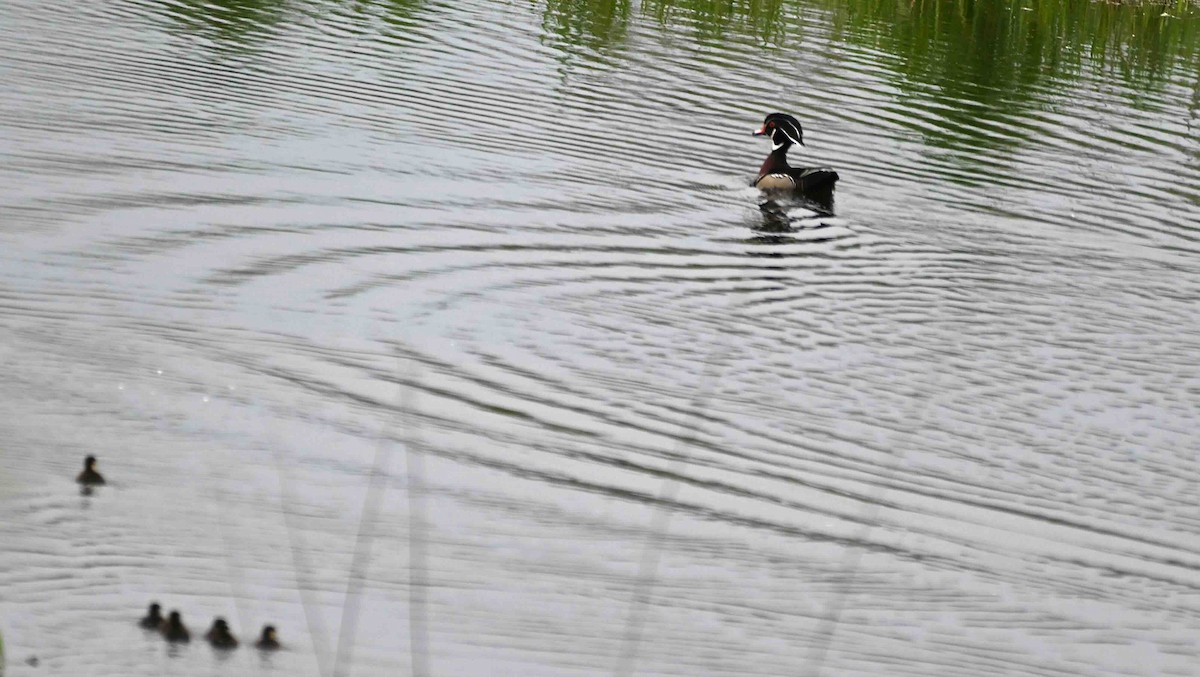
(948, 429)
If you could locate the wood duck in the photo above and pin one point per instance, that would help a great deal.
(153, 619)
(776, 174)
(219, 636)
(89, 476)
(268, 640)
(174, 629)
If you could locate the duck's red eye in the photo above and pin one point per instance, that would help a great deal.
(770, 125)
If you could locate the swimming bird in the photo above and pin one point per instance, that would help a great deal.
(174, 629)
(268, 640)
(153, 619)
(89, 475)
(776, 174)
(219, 636)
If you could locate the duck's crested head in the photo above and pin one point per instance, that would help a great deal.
(155, 609)
(783, 129)
(89, 462)
(268, 633)
(220, 624)
(175, 618)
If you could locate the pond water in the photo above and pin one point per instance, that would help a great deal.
(450, 338)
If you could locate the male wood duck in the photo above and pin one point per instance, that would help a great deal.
(174, 629)
(268, 641)
(89, 476)
(153, 619)
(219, 636)
(776, 174)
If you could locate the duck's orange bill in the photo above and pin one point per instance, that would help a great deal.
(762, 131)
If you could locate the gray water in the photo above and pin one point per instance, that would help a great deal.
(247, 247)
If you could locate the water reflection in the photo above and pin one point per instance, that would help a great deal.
(229, 24)
(979, 69)
(397, 13)
(586, 27)
(238, 24)
(712, 21)
(983, 65)
(994, 43)
(777, 216)
(1000, 45)
(979, 49)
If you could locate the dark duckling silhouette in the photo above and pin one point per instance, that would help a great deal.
(268, 640)
(174, 629)
(153, 619)
(89, 476)
(219, 636)
(776, 175)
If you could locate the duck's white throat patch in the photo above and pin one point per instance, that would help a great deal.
(776, 144)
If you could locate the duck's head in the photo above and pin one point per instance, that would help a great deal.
(155, 610)
(268, 633)
(90, 462)
(783, 129)
(220, 625)
(175, 618)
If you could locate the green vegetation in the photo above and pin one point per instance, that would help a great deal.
(1011, 44)
(975, 62)
(989, 42)
(229, 23)
(235, 25)
(714, 21)
(592, 25)
(980, 65)
(987, 63)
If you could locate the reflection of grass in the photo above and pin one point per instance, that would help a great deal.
(716, 19)
(601, 25)
(235, 24)
(986, 63)
(229, 23)
(982, 63)
(988, 42)
(1002, 43)
(996, 45)
(977, 65)
(586, 25)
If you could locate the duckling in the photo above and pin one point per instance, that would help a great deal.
(89, 475)
(153, 619)
(268, 641)
(219, 636)
(174, 629)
